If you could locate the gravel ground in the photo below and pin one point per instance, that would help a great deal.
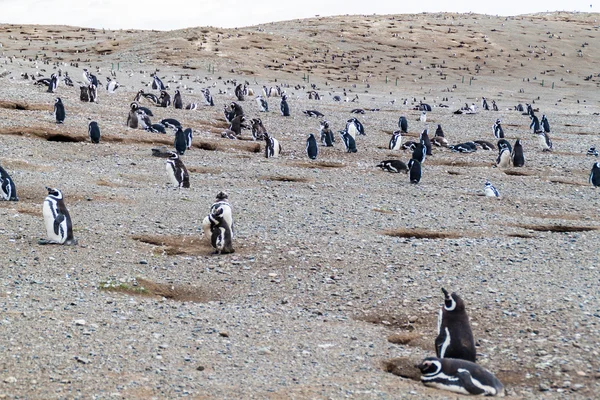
(335, 261)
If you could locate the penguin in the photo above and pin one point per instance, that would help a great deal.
(327, 138)
(84, 94)
(535, 124)
(156, 128)
(484, 104)
(498, 131)
(191, 106)
(258, 129)
(414, 170)
(313, 113)
(165, 99)
(489, 190)
(312, 150)
(263, 106)
(284, 107)
(272, 147)
(239, 92)
(132, 118)
(94, 132)
(494, 105)
(148, 96)
(545, 124)
(459, 376)
(221, 202)
(485, 145)
(545, 142)
(424, 138)
(349, 142)
(357, 111)
(403, 124)
(236, 109)
(53, 84)
(517, 156)
(237, 124)
(171, 123)
(439, 141)
(420, 152)
(424, 107)
(395, 166)
(177, 100)
(111, 85)
(439, 132)
(176, 171)
(143, 120)
(467, 147)
(221, 237)
(409, 145)
(592, 151)
(504, 144)
(503, 160)
(423, 117)
(208, 100)
(180, 141)
(595, 175)
(189, 135)
(354, 127)
(396, 141)
(146, 110)
(157, 84)
(8, 191)
(59, 227)
(93, 93)
(59, 111)
(455, 338)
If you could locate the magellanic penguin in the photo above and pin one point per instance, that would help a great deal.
(403, 124)
(424, 138)
(221, 202)
(221, 237)
(439, 132)
(157, 84)
(272, 146)
(180, 141)
(239, 92)
(258, 129)
(517, 156)
(504, 144)
(394, 166)
(189, 135)
(503, 160)
(94, 132)
(545, 142)
(489, 190)
(535, 124)
(455, 338)
(354, 127)
(545, 124)
(312, 150)
(263, 106)
(313, 113)
(595, 175)
(177, 172)
(177, 100)
(396, 141)
(59, 111)
(132, 117)
(459, 376)
(420, 152)
(423, 117)
(498, 131)
(327, 138)
(165, 99)
(349, 142)
(414, 170)
(59, 228)
(284, 107)
(8, 191)
(592, 151)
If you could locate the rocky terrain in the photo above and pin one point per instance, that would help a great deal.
(334, 287)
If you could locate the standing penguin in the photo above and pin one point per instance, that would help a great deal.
(396, 141)
(420, 152)
(545, 142)
(484, 104)
(311, 147)
(176, 171)
(94, 132)
(517, 156)
(157, 83)
(504, 144)
(403, 124)
(59, 228)
(459, 376)
(424, 138)
(262, 104)
(8, 191)
(189, 135)
(545, 124)
(355, 127)
(272, 146)
(439, 132)
(59, 111)
(221, 237)
(423, 117)
(535, 124)
(258, 129)
(177, 100)
(327, 138)
(498, 131)
(53, 84)
(164, 99)
(503, 160)
(414, 171)
(489, 190)
(132, 118)
(180, 141)
(595, 175)
(455, 338)
(222, 202)
(349, 142)
(284, 107)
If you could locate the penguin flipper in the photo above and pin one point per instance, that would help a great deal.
(57, 221)
(465, 378)
(439, 342)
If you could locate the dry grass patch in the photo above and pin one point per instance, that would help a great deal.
(144, 287)
(566, 181)
(457, 163)
(176, 245)
(403, 338)
(280, 178)
(423, 234)
(404, 367)
(516, 172)
(205, 170)
(18, 105)
(558, 228)
(320, 164)
(383, 211)
(42, 132)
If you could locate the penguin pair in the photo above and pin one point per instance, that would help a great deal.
(218, 226)
(57, 220)
(8, 190)
(438, 139)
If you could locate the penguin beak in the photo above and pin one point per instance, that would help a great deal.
(445, 293)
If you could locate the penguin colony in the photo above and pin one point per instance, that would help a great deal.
(454, 366)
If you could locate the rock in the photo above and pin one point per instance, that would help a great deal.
(544, 387)
(79, 322)
(82, 360)
(224, 334)
(200, 368)
(263, 351)
(10, 379)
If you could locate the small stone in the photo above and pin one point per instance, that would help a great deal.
(143, 262)
(544, 387)
(10, 379)
(200, 368)
(581, 373)
(82, 360)
(79, 322)
(264, 351)
(223, 334)
(412, 319)
(577, 386)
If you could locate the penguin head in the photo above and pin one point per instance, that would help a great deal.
(453, 302)
(430, 366)
(134, 106)
(222, 196)
(54, 193)
(173, 155)
(58, 100)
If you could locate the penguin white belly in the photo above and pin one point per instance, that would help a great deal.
(450, 387)
(49, 218)
(445, 344)
(489, 192)
(276, 147)
(171, 175)
(352, 131)
(206, 228)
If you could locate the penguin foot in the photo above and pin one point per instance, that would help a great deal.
(43, 242)
(72, 242)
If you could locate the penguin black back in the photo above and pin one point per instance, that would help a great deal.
(284, 107)
(455, 338)
(414, 170)
(426, 142)
(180, 141)
(518, 158)
(94, 132)
(403, 124)
(312, 150)
(8, 191)
(420, 152)
(595, 175)
(59, 111)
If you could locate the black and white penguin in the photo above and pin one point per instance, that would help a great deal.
(592, 151)
(189, 135)
(148, 96)
(143, 119)
(208, 99)
(177, 100)
(484, 144)
(489, 190)
(424, 107)
(156, 128)
(327, 138)
(53, 84)
(349, 142)
(424, 138)
(545, 124)
(59, 111)
(396, 141)
(8, 191)
(439, 132)
(503, 160)
(409, 145)
(403, 124)
(545, 142)
(312, 150)
(459, 376)
(263, 106)
(222, 207)
(423, 117)
(595, 175)
(176, 171)
(414, 170)
(467, 147)
(239, 92)
(313, 113)
(517, 156)
(165, 99)
(132, 117)
(258, 129)
(284, 107)
(59, 227)
(272, 146)
(237, 124)
(354, 127)
(84, 93)
(90, 78)
(420, 152)
(535, 124)
(191, 106)
(221, 236)
(455, 338)
(171, 123)
(146, 110)
(94, 132)
(111, 85)
(484, 104)
(504, 144)
(498, 131)
(180, 141)
(157, 84)
(395, 166)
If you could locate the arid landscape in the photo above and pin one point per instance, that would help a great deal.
(335, 284)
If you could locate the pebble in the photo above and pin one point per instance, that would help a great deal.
(10, 379)
(79, 322)
(82, 360)
(544, 387)
(263, 351)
